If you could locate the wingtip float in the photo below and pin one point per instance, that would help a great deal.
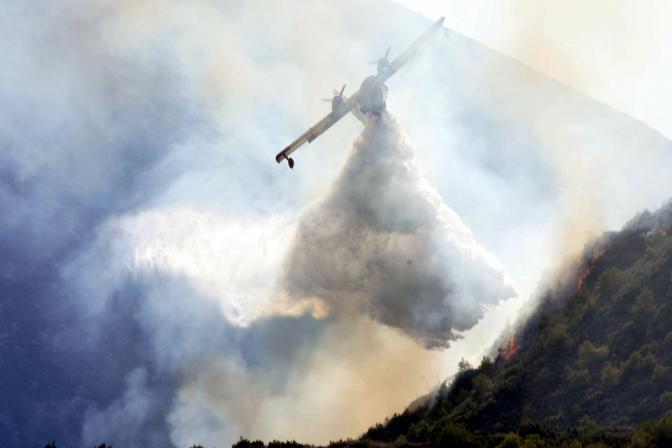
(369, 100)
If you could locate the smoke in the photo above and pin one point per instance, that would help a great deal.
(152, 247)
(382, 242)
(200, 245)
(648, 221)
(335, 380)
(254, 338)
(615, 52)
(132, 419)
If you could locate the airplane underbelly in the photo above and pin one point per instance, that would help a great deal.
(372, 96)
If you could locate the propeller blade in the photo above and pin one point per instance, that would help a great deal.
(326, 100)
(387, 53)
(342, 90)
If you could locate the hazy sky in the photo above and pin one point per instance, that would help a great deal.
(615, 51)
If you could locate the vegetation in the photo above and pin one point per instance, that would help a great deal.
(592, 368)
(597, 357)
(653, 434)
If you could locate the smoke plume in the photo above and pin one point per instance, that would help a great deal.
(383, 242)
(152, 283)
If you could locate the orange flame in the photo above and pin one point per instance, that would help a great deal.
(585, 272)
(510, 348)
(587, 269)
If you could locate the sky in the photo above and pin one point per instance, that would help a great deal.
(164, 282)
(614, 51)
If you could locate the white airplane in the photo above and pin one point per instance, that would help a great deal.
(368, 100)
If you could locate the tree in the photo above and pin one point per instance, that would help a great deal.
(592, 356)
(456, 436)
(511, 440)
(656, 434)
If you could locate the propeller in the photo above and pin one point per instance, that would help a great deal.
(387, 53)
(336, 93)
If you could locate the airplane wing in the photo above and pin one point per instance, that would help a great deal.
(318, 129)
(411, 50)
(357, 113)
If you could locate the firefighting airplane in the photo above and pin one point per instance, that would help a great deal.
(368, 100)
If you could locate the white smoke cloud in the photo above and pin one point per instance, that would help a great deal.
(234, 262)
(140, 164)
(384, 243)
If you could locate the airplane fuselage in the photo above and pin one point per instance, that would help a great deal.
(372, 96)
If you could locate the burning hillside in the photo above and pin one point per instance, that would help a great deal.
(510, 348)
(598, 352)
(587, 268)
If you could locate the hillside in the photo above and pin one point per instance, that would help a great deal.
(597, 350)
(592, 364)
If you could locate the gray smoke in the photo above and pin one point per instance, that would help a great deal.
(648, 221)
(131, 420)
(145, 224)
(383, 242)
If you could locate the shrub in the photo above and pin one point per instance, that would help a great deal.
(483, 386)
(556, 338)
(244, 443)
(512, 440)
(654, 434)
(534, 441)
(578, 378)
(279, 444)
(592, 356)
(638, 366)
(456, 436)
(661, 376)
(645, 304)
(665, 399)
(610, 375)
(611, 280)
(419, 431)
